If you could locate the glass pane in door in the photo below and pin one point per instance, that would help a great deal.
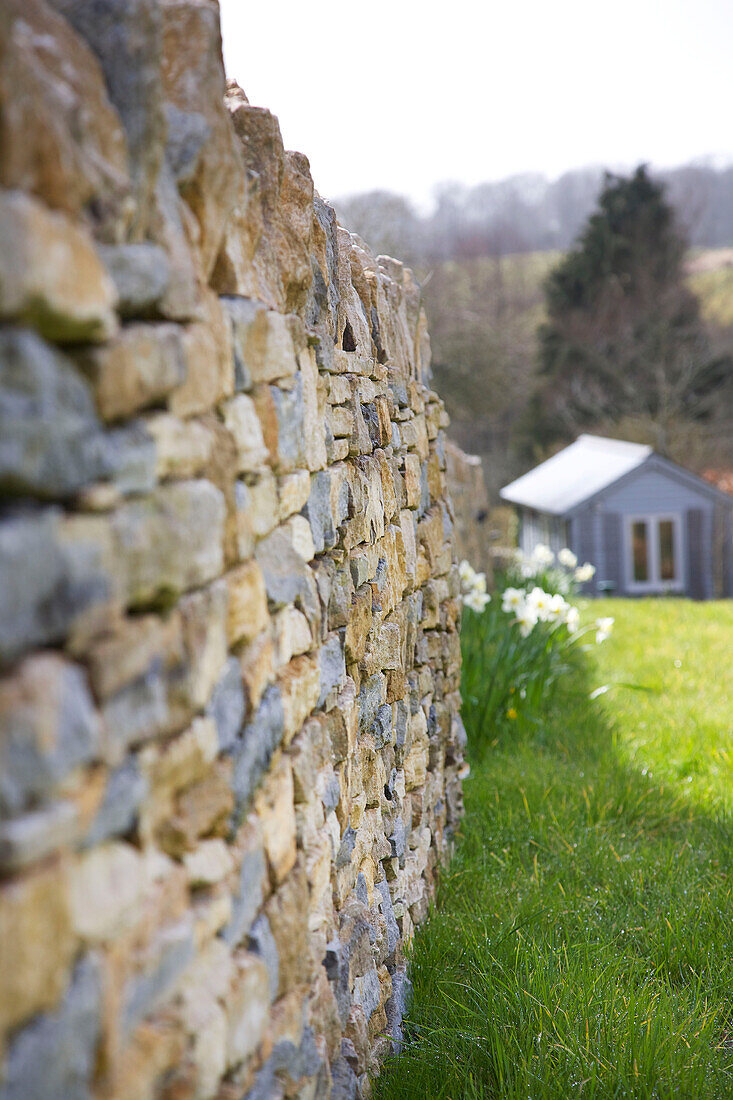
(667, 568)
(640, 550)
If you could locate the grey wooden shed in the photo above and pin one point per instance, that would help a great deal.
(648, 525)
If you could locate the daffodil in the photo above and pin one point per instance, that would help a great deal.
(603, 629)
(572, 620)
(585, 572)
(476, 600)
(542, 554)
(527, 620)
(538, 601)
(513, 599)
(567, 558)
(557, 610)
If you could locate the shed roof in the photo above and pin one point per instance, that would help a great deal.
(576, 473)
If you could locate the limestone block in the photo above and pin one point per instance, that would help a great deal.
(201, 141)
(257, 664)
(140, 367)
(209, 863)
(291, 635)
(293, 491)
(339, 389)
(48, 727)
(300, 687)
(288, 580)
(261, 737)
(203, 808)
(51, 277)
(340, 421)
(256, 511)
(262, 342)
(273, 805)
(54, 1054)
(314, 410)
(37, 834)
(241, 419)
(247, 603)
(359, 625)
(281, 412)
(141, 275)
(327, 506)
(63, 140)
(298, 531)
(247, 1007)
(57, 579)
(170, 541)
(37, 943)
(209, 362)
(106, 888)
(204, 616)
(285, 911)
(183, 448)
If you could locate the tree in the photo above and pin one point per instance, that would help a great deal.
(623, 335)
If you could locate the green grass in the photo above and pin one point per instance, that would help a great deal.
(582, 943)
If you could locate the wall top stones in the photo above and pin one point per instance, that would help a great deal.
(230, 747)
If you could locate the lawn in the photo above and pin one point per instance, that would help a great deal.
(582, 942)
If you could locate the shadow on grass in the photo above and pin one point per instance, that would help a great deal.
(581, 942)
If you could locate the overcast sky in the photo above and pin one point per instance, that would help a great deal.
(403, 94)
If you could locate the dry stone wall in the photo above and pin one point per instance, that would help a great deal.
(230, 749)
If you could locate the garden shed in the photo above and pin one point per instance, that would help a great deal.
(648, 525)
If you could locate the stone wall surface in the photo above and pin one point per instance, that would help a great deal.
(470, 501)
(230, 748)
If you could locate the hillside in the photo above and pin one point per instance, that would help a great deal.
(483, 315)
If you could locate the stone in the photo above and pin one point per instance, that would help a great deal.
(327, 507)
(240, 417)
(48, 727)
(298, 532)
(126, 39)
(170, 541)
(273, 805)
(55, 1054)
(247, 1007)
(209, 363)
(139, 368)
(62, 139)
(332, 667)
(284, 912)
(260, 738)
(288, 580)
(209, 863)
(250, 892)
(262, 343)
(168, 956)
(141, 275)
(291, 635)
(227, 703)
(300, 686)
(124, 792)
(262, 942)
(51, 277)
(37, 943)
(293, 491)
(256, 511)
(194, 84)
(37, 834)
(359, 625)
(282, 416)
(51, 442)
(55, 576)
(106, 888)
(183, 448)
(257, 663)
(247, 614)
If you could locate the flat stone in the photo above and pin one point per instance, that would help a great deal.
(140, 367)
(51, 277)
(327, 507)
(274, 808)
(170, 541)
(287, 577)
(241, 419)
(247, 614)
(227, 704)
(183, 448)
(332, 665)
(49, 727)
(37, 944)
(63, 141)
(262, 343)
(262, 942)
(106, 889)
(260, 738)
(35, 835)
(55, 1054)
(124, 792)
(54, 574)
(249, 897)
(141, 275)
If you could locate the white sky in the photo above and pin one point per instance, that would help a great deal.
(403, 94)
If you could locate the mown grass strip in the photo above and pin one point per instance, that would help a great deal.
(582, 942)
